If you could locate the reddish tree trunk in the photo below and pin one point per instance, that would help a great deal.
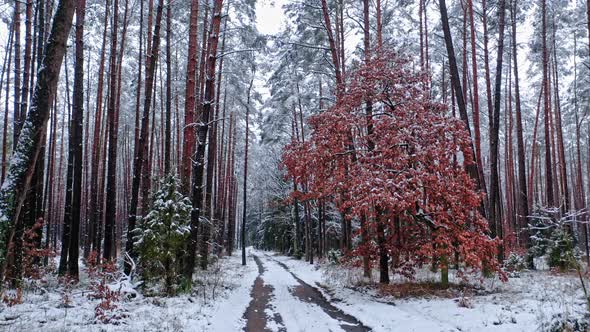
(547, 110)
(140, 148)
(199, 163)
(189, 100)
(496, 220)
(95, 208)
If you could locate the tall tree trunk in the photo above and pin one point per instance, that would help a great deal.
(231, 187)
(203, 127)
(140, 153)
(189, 100)
(111, 195)
(245, 184)
(471, 166)
(580, 197)
(487, 65)
(168, 129)
(27, 64)
(76, 137)
(547, 110)
(523, 210)
(369, 117)
(211, 160)
(218, 150)
(7, 55)
(496, 221)
(25, 156)
(17, 119)
(333, 50)
(560, 146)
(476, 120)
(95, 209)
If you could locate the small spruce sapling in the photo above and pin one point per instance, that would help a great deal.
(162, 233)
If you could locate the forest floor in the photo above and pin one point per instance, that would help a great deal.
(278, 293)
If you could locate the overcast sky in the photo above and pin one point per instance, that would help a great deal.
(269, 16)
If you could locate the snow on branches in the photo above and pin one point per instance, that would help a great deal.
(386, 152)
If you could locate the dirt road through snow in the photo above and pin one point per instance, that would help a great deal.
(283, 302)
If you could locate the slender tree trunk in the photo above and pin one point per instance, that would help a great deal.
(214, 145)
(17, 119)
(27, 64)
(487, 65)
(523, 210)
(168, 129)
(547, 110)
(140, 153)
(369, 118)
(496, 221)
(6, 69)
(95, 209)
(560, 146)
(203, 127)
(211, 160)
(476, 120)
(189, 101)
(77, 125)
(471, 166)
(245, 184)
(27, 150)
(111, 195)
(333, 50)
(231, 189)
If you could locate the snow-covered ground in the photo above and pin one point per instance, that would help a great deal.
(296, 296)
(521, 304)
(219, 302)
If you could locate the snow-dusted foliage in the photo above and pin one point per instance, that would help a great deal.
(553, 238)
(405, 176)
(162, 234)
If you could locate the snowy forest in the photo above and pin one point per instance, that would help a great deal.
(295, 165)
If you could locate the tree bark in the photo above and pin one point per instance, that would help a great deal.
(168, 129)
(203, 127)
(476, 119)
(189, 100)
(27, 64)
(111, 195)
(496, 221)
(245, 184)
(25, 156)
(95, 208)
(471, 166)
(6, 69)
(17, 119)
(77, 132)
(547, 110)
(523, 210)
(140, 148)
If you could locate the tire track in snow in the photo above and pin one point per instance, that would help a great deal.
(309, 294)
(256, 314)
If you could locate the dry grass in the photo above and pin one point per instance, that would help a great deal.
(425, 289)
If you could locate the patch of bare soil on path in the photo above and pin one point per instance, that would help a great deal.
(310, 294)
(255, 315)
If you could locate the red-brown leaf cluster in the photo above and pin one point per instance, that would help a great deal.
(401, 164)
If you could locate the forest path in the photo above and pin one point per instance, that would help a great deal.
(283, 302)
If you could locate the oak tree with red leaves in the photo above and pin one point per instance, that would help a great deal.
(412, 184)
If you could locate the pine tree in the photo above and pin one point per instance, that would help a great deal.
(162, 233)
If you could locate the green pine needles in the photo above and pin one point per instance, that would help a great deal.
(161, 235)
